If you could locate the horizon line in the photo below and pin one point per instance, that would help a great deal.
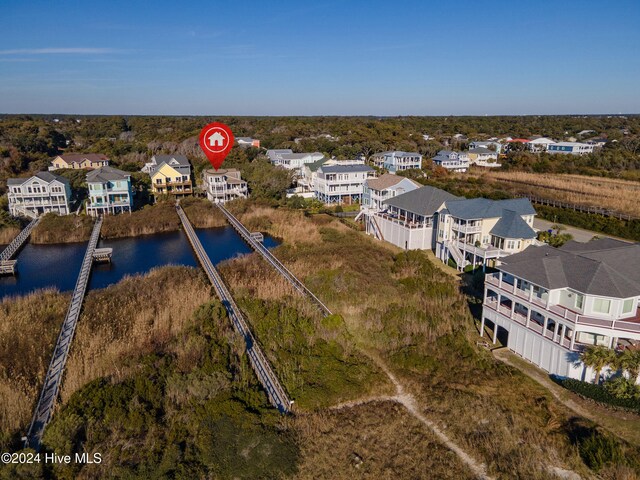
(619, 114)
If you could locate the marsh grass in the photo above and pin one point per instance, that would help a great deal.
(609, 193)
(150, 219)
(7, 234)
(157, 218)
(201, 213)
(405, 308)
(28, 330)
(62, 229)
(138, 314)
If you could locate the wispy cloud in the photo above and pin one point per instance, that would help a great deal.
(59, 51)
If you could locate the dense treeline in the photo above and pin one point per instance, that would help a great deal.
(27, 141)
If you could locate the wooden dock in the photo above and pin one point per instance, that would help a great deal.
(259, 362)
(51, 386)
(7, 265)
(269, 257)
(102, 255)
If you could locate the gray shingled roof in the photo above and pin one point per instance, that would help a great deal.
(421, 201)
(106, 174)
(44, 176)
(274, 153)
(387, 180)
(481, 150)
(298, 156)
(477, 208)
(346, 168)
(607, 270)
(594, 246)
(400, 153)
(181, 159)
(511, 225)
(183, 167)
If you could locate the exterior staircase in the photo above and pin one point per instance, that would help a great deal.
(375, 228)
(457, 255)
(24, 212)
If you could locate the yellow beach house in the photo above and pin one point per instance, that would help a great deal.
(170, 175)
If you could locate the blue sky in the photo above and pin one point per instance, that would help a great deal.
(345, 57)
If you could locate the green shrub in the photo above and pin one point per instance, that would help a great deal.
(623, 388)
(598, 393)
(598, 450)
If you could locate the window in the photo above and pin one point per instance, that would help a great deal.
(601, 305)
(579, 301)
(627, 305)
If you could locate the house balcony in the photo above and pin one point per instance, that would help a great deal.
(39, 203)
(488, 251)
(533, 325)
(403, 221)
(467, 228)
(172, 189)
(120, 203)
(566, 315)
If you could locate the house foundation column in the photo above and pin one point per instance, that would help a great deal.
(495, 333)
(482, 327)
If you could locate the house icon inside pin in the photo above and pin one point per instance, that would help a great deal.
(216, 140)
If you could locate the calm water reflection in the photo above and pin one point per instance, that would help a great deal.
(41, 266)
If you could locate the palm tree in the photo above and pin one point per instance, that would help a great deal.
(597, 357)
(629, 360)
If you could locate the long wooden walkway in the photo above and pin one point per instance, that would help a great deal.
(269, 257)
(259, 362)
(51, 386)
(11, 249)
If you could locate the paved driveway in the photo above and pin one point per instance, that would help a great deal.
(579, 235)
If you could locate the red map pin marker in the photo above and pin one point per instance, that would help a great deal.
(216, 141)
